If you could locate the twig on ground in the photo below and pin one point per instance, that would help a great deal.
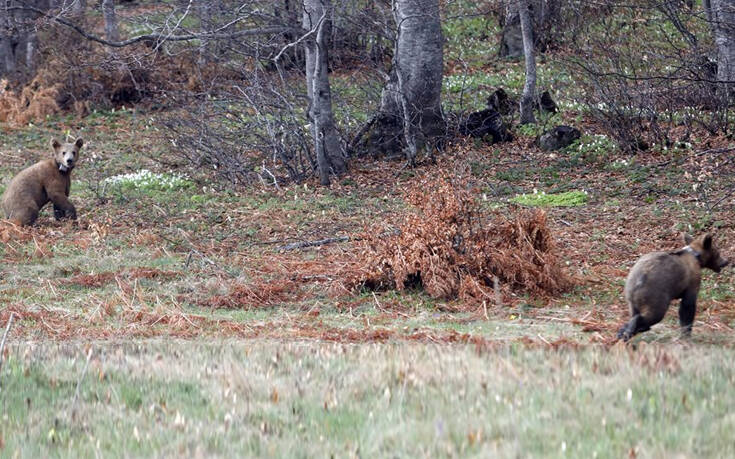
(79, 383)
(377, 303)
(302, 244)
(2, 343)
(563, 222)
(716, 151)
(331, 240)
(194, 251)
(273, 177)
(498, 294)
(358, 137)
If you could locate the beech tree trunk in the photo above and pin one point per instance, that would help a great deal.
(411, 100)
(7, 54)
(78, 7)
(723, 25)
(18, 38)
(108, 11)
(529, 88)
(543, 13)
(330, 155)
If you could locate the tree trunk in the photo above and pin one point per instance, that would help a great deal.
(31, 46)
(411, 100)
(18, 38)
(544, 15)
(529, 88)
(723, 24)
(108, 10)
(7, 55)
(329, 152)
(707, 5)
(78, 7)
(287, 12)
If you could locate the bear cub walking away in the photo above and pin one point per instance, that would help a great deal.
(659, 277)
(47, 180)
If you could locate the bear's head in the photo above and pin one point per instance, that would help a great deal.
(66, 154)
(709, 255)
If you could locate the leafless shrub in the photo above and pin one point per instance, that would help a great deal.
(252, 125)
(644, 91)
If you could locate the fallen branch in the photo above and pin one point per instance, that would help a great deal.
(332, 240)
(302, 244)
(358, 137)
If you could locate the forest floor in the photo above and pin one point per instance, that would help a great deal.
(171, 321)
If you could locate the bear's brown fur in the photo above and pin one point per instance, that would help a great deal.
(659, 277)
(47, 180)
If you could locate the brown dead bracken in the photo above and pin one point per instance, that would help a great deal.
(451, 250)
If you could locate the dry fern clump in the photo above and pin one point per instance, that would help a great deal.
(34, 101)
(452, 251)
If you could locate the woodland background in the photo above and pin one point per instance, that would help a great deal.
(354, 227)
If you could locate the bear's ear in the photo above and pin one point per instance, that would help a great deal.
(55, 144)
(79, 143)
(707, 242)
(687, 238)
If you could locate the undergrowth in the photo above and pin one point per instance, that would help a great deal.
(542, 199)
(451, 250)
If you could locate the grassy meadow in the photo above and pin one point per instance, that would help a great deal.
(170, 321)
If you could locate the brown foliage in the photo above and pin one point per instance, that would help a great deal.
(34, 101)
(75, 75)
(452, 251)
(246, 296)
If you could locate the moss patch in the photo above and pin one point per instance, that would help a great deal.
(566, 199)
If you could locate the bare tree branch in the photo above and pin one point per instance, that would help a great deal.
(154, 36)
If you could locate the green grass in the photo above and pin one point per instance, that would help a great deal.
(566, 199)
(289, 392)
(311, 399)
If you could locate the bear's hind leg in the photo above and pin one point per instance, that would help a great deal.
(25, 216)
(638, 324)
(631, 328)
(687, 309)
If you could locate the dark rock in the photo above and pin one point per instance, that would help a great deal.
(558, 138)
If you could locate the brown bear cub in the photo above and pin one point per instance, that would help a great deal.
(47, 180)
(659, 277)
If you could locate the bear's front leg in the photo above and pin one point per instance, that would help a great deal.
(58, 212)
(63, 208)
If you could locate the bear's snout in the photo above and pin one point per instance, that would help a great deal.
(69, 161)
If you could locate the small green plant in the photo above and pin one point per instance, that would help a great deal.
(542, 199)
(620, 164)
(530, 130)
(146, 180)
(593, 148)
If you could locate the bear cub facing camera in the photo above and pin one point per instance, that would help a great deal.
(47, 180)
(660, 277)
